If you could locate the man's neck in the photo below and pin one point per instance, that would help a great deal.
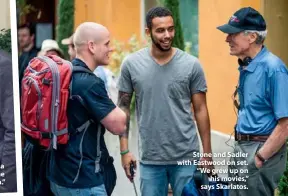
(161, 55)
(252, 52)
(28, 48)
(88, 61)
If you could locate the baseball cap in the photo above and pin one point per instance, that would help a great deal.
(245, 18)
(68, 40)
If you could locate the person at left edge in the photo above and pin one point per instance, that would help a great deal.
(7, 128)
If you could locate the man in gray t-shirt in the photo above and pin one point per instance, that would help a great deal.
(166, 81)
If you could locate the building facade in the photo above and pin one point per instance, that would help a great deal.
(199, 19)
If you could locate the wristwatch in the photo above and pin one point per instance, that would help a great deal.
(260, 157)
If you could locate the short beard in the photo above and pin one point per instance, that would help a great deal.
(26, 46)
(158, 45)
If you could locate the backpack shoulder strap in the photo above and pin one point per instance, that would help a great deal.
(84, 128)
(81, 69)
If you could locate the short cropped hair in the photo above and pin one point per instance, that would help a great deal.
(261, 35)
(29, 26)
(156, 12)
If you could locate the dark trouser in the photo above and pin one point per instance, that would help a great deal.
(256, 182)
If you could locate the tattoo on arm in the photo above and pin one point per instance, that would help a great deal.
(124, 101)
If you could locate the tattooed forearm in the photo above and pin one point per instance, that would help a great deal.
(124, 101)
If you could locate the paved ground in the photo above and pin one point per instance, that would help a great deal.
(123, 186)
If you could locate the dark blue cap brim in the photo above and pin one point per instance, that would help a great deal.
(229, 29)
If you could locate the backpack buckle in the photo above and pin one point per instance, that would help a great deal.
(46, 135)
(46, 81)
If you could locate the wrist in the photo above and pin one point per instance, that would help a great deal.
(260, 157)
(123, 152)
(207, 150)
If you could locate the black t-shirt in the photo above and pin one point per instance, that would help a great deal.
(65, 160)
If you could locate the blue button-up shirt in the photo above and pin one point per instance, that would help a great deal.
(263, 94)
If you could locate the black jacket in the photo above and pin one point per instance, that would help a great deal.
(24, 60)
(7, 130)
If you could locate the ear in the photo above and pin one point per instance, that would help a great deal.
(252, 37)
(33, 37)
(147, 31)
(91, 46)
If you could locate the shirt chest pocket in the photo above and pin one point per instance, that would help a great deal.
(256, 95)
(179, 89)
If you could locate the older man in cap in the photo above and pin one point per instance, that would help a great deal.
(71, 48)
(262, 124)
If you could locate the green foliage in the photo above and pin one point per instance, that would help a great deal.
(24, 8)
(188, 46)
(64, 29)
(121, 50)
(189, 15)
(173, 6)
(283, 184)
(160, 2)
(5, 40)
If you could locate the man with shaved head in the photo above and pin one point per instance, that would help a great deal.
(77, 168)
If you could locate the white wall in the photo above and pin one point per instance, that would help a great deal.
(4, 14)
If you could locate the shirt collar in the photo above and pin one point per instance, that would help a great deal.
(79, 62)
(256, 61)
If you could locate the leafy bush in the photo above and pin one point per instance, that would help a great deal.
(24, 8)
(5, 40)
(283, 184)
(121, 50)
(65, 13)
(173, 6)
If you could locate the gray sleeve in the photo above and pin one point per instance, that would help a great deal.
(124, 83)
(197, 79)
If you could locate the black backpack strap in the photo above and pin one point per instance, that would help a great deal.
(78, 69)
(82, 69)
(84, 126)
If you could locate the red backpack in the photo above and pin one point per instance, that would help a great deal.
(44, 96)
(45, 91)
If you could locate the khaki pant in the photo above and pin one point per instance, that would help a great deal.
(256, 182)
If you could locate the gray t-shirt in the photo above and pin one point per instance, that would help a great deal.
(167, 132)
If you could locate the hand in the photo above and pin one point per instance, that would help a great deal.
(258, 162)
(209, 166)
(126, 160)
